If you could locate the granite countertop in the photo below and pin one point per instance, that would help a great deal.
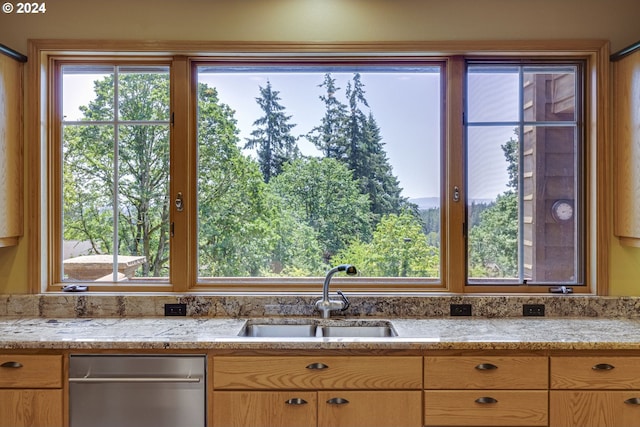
(209, 333)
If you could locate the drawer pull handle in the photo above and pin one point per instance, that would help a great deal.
(11, 365)
(486, 400)
(486, 367)
(633, 401)
(296, 401)
(603, 367)
(103, 380)
(318, 366)
(337, 401)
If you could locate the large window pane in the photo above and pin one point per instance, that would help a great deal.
(115, 173)
(300, 169)
(524, 178)
(493, 216)
(497, 88)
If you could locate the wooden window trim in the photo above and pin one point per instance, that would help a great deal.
(598, 199)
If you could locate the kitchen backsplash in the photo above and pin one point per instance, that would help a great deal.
(139, 305)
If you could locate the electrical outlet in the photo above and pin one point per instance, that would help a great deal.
(460, 309)
(175, 309)
(536, 310)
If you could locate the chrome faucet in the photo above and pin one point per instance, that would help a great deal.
(326, 305)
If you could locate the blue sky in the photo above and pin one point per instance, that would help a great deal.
(406, 106)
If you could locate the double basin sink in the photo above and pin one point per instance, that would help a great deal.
(310, 328)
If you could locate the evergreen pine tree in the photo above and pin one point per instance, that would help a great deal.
(367, 158)
(330, 136)
(272, 137)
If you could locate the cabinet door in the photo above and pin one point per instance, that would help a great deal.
(369, 408)
(31, 408)
(264, 409)
(594, 408)
(10, 151)
(626, 128)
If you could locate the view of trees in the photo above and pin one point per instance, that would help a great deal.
(280, 213)
(493, 230)
(142, 171)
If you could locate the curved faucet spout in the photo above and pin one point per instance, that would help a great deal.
(326, 305)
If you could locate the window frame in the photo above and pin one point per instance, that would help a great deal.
(42, 128)
(60, 122)
(520, 123)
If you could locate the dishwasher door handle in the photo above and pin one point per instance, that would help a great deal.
(134, 380)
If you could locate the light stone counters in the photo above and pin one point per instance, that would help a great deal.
(134, 321)
(201, 333)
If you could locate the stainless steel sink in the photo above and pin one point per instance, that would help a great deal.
(316, 328)
(359, 331)
(278, 330)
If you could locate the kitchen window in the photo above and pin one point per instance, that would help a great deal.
(258, 172)
(115, 172)
(524, 214)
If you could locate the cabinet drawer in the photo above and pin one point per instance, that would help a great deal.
(501, 408)
(506, 373)
(595, 373)
(321, 372)
(30, 371)
(594, 408)
(264, 408)
(369, 408)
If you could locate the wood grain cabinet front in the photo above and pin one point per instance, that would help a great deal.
(322, 372)
(265, 408)
(486, 391)
(11, 159)
(31, 390)
(325, 391)
(626, 140)
(595, 391)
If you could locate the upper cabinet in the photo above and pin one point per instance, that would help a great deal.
(626, 134)
(11, 161)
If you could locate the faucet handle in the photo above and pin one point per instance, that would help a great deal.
(345, 300)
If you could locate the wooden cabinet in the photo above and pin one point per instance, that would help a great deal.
(626, 142)
(31, 390)
(11, 181)
(317, 391)
(369, 408)
(485, 391)
(595, 391)
(265, 408)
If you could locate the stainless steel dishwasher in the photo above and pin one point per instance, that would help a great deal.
(137, 391)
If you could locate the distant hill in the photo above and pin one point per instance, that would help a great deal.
(425, 203)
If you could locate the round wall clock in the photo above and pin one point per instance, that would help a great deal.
(562, 210)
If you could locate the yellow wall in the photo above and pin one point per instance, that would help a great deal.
(328, 20)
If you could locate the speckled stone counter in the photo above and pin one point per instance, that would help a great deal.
(204, 334)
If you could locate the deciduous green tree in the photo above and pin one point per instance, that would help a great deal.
(235, 233)
(493, 241)
(89, 170)
(323, 194)
(399, 248)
